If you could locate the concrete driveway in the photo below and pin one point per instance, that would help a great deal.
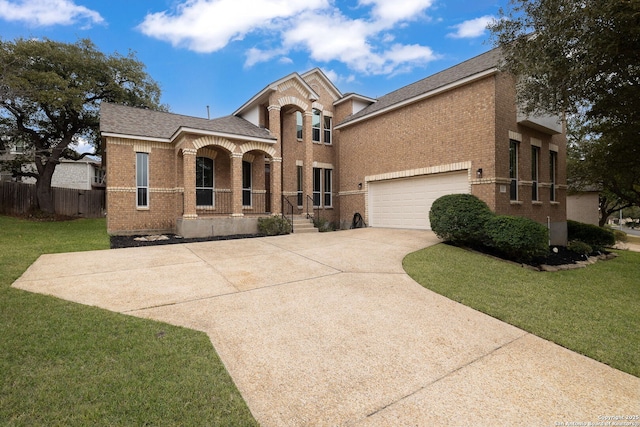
(327, 329)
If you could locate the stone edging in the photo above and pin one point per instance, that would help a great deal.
(578, 264)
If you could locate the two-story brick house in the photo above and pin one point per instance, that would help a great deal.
(301, 143)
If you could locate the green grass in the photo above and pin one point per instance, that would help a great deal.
(594, 311)
(65, 364)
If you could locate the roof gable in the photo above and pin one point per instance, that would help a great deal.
(317, 74)
(293, 79)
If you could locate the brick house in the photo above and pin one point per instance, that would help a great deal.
(300, 143)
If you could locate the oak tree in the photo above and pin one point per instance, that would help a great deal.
(581, 58)
(50, 94)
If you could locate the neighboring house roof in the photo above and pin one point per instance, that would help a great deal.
(139, 122)
(486, 62)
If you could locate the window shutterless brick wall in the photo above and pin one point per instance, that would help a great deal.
(452, 127)
(123, 216)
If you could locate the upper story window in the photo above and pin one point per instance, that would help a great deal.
(327, 129)
(315, 125)
(142, 180)
(513, 169)
(299, 125)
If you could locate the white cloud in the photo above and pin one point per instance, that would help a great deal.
(43, 13)
(209, 25)
(338, 78)
(82, 145)
(471, 28)
(389, 12)
(314, 26)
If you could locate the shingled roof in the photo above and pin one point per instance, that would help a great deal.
(484, 62)
(119, 119)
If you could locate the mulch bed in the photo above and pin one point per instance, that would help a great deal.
(171, 239)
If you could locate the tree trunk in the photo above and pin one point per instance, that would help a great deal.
(44, 193)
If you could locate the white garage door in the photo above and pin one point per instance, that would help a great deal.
(405, 202)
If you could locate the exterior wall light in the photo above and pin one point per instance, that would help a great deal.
(479, 173)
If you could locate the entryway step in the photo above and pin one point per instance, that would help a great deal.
(302, 224)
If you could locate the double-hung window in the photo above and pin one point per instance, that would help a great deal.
(246, 183)
(204, 181)
(328, 202)
(513, 169)
(535, 172)
(142, 180)
(327, 129)
(315, 125)
(317, 185)
(553, 170)
(299, 192)
(298, 125)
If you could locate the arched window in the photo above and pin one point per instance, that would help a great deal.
(204, 181)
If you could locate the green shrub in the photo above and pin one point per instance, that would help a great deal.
(517, 238)
(619, 235)
(460, 219)
(579, 247)
(273, 226)
(597, 237)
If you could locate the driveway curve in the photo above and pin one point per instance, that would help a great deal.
(327, 329)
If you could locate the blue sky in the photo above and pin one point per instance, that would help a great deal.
(221, 52)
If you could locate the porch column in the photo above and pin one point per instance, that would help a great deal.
(276, 185)
(236, 184)
(189, 181)
(275, 121)
(307, 181)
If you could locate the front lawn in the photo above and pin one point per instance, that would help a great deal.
(67, 364)
(594, 311)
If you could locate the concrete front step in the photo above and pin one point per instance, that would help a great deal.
(303, 225)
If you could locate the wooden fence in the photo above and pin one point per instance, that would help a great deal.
(17, 198)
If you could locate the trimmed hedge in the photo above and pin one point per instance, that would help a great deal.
(460, 219)
(517, 238)
(596, 237)
(273, 226)
(579, 247)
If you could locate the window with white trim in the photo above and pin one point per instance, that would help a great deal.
(18, 147)
(205, 195)
(299, 193)
(142, 180)
(317, 186)
(553, 171)
(246, 183)
(315, 125)
(513, 169)
(535, 172)
(327, 129)
(328, 199)
(299, 124)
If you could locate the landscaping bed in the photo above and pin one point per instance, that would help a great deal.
(118, 242)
